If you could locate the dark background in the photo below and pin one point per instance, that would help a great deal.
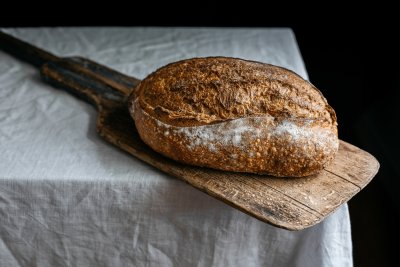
(351, 55)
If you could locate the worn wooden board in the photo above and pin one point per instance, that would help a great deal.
(289, 203)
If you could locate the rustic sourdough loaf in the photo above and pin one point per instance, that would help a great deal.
(236, 115)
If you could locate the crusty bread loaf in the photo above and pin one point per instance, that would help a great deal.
(236, 115)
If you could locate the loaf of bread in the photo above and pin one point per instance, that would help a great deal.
(236, 115)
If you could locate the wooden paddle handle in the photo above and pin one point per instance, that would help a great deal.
(91, 81)
(25, 51)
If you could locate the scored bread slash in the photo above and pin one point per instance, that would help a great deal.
(236, 115)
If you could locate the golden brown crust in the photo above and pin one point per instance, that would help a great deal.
(236, 115)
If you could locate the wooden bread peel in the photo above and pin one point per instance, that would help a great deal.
(289, 203)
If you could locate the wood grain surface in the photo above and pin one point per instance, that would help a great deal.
(289, 203)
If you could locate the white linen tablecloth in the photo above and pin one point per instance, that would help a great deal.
(68, 198)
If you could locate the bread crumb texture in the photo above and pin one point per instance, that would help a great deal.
(236, 115)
